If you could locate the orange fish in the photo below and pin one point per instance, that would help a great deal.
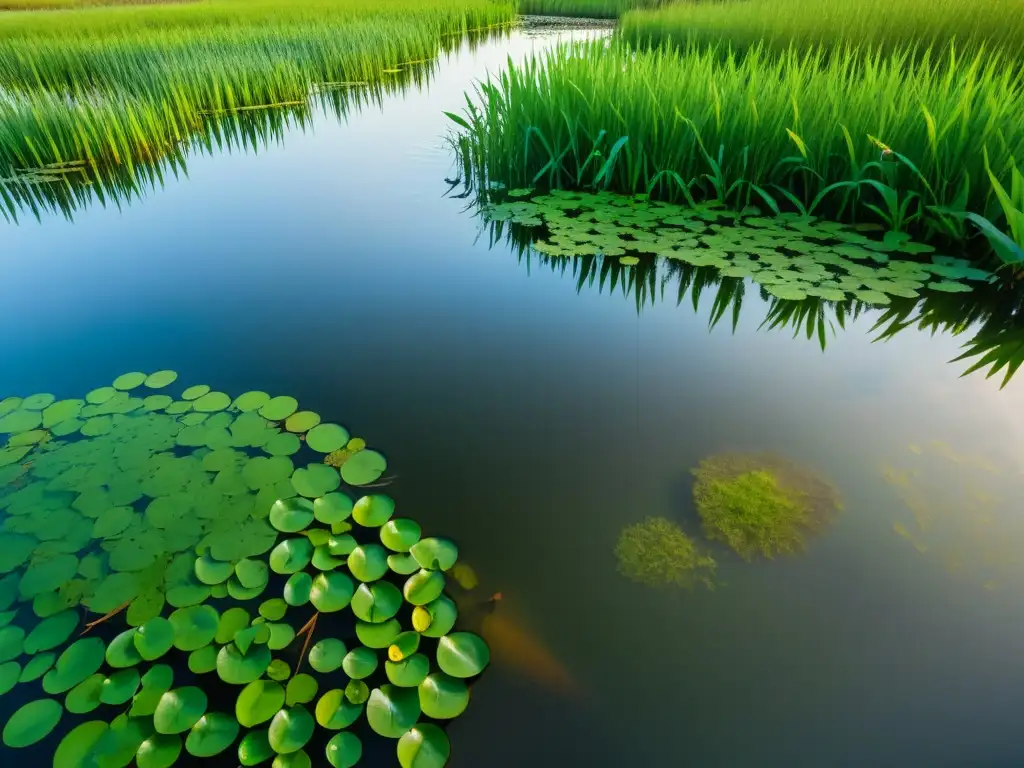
(513, 646)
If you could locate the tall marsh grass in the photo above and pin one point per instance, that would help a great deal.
(896, 138)
(995, 24)
(590, 9)
(119, 85)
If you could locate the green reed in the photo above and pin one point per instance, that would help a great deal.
(897, 138)
(126, 84)
(591, 9)
(995, 24)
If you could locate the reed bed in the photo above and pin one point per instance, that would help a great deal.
(906, 139)
(889, 24)
(122, 85)
(589, 9)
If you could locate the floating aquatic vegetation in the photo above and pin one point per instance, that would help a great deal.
(792, 257)
(959, 509)
(658, 553)
(761, 504)
(208, 544)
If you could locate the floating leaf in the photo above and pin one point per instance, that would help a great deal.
(435, 553)
(315, 480)
(326, 438)
(368, 562)
(326, 655)
(331, 592)
(251, 401)
(400, 534)
(37, 667)
(259, 701)
(120, 687)
(194, 626)
(363, 468)
(378, 635)
(424, 587)
(332, 508)
(78, 661)
(232, 621)
(128, 381)
(301, 421)
(357, 691)
(273, 609)
(403, 564)
(301, 689)
(290, 729)
(404, 645)
(334, 711)
(214, 733)
(239, 668)
(425, 746)
(344, 750)
(462, 654)
(373, 511)
(154, 638)
(155, 683)
(279, 408)
(158, 751)
(85, 696)
(195, 392)
(281, 636)
(9, 675)
(409, 672)
(291, 515)
(51, 632)
(32, 723)
(160, 379)
(359, 663)
(291, 555)
(210, 571)
(391, 711)
(209, 403)
(376, 602)
(76, 748)
(203, 661)
(443, 697)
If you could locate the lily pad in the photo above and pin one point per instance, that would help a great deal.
(326, 438)
(76, 748)
(368, 562)
(160, 379)
(424, 587)
(78, 661)
(378, 635)
(291, 729)
(297, 588)
(252, 573)
(85, 697)
(251, 401)
(360, 663)
(195, 392)
(443, 697)
(403, 564)
(203, 661)
(424, 746)
(254, 748)
(158, 751)
(373, 511)
(37, 667)
(291, 555)
(155, 683)
(435, 553)
(332, 508)
(154, 638)
(301, 689)
(210, 571)
(237, 668)
(51, 632)
(194, 626)
(301, 421)
(409, 672)
(344, 750)
(331, 592)
(210, 403)
(400, 534)
(279, 408)
(363, 468)
(334, 711)
(119, 687)
(376, 602)
(179, 709)
(127, 381)
(391, 710)
(32, 723)
(291, 515)
(326, 655)
(258, 702)
(214, 733)
(315, 480)
(462, 654)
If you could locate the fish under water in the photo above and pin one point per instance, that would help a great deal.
(513, 646)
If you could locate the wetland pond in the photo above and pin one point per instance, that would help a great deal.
(533, 416)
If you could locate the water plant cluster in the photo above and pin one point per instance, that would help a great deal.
(918, 141)
(247, 606)
(791, 256)
(759, 505)
(126, 85)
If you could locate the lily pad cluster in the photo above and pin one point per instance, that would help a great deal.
(791, 256)
(218, 562)
(762, 504)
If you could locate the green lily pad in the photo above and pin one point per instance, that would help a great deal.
(154, 638)
(363, 468)
(281, 636)
(332, 508)
(331, 592)
(100, 395)
(61, 411)
(210, 571)
(360, 663)
(210, 403)
(324, 561)
(368, 562)
(37, 667)
(391, 710)
(315, 480)
(32, 723)
(155, 683)
(232, 621)
(76, 748)
(301, 689)
(443, 697)
(214, 733)
(326, 655)
(435, 553)
(291, 515)
(120, 687)
(252, 573)
(20, 421)
(254, 748)
(326, 438)
(376, 602)
(291, 555)
(237, 668)
(334, 711)
(194, 626)
(342, 544)
(424, 587)
(258, 702)
(179, 709)
(78, 661)
(203, 661)
(400, 534)
(871, 297)
(127, 381)
(51, 632)
(344, 750)
(273, 609)
(291, 729)
(85, 697)
(949, 286)
(10, 673)
(424, 746)
(403, 564)
(158, 751)
(301, 421)
(406, 644)
(373, 511)
(284, 444)
(160, 379)
(251, 401)
(278, 408)
(462, 654)
(297, 588)
(378, 635)
(194, 393)
(409, 672)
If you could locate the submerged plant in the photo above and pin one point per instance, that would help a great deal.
(657, 552)
(173, 520)
(761, 504)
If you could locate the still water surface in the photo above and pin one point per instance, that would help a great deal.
(531, 422)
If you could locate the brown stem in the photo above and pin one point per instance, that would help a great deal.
(308, 630)
(106, 617)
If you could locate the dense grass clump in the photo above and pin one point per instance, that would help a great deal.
(995, 24)
(119, 85)
(657, 553)
(590, 9)
(904, 139)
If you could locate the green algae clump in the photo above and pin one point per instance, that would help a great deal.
(656, 552)
(762, 504)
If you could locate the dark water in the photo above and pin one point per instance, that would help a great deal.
(532, 421)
